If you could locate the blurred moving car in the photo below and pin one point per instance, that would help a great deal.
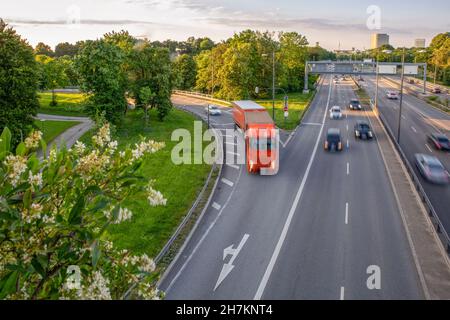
(436, 90)
(363, 131)
(213, 110)
(335, 113)
(355, 105)
(440, 141)
(432, 169)
(392, 95)
(333, 141)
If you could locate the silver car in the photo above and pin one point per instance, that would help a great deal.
(213, 110)
(432, 169)
(335, 113)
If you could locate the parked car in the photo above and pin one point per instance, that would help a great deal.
(355, 105)
(432, 169)
(335, 113)
(213, 110)
(392, 95)
(439, 141)
(363, 131)
(436, 90)
(333, 140)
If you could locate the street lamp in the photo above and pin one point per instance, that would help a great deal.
(273, 81)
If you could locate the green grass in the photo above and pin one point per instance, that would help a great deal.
(68, 104)
(297, 107)
(52, 129)
(151, 227)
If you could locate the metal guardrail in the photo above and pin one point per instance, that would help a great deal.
(437, 224)
(201, 96)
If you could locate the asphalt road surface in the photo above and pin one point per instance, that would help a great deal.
(418, 120)
(310, 232)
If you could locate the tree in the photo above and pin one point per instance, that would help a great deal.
(99, 65)
(18, 83)
(55, 213)
(151, 67)
(292, 56)
(67, 49)
(186, 68)
(53, 74)
(44, 49)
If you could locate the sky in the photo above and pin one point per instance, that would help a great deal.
(334, 24)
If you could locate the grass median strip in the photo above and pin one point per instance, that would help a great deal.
(298, 103)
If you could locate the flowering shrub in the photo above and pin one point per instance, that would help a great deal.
(55, 211)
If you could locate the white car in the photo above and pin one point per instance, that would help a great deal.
(213, 110)
(335, 113)
(392, 95)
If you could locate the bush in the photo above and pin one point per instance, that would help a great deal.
(54, 213)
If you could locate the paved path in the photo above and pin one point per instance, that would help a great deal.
(71, 135)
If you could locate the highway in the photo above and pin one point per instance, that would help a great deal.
(310, 232)
(418, 120)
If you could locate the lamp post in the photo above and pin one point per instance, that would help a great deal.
(378, 78)
(401, 97)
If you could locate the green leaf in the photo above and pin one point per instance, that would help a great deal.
(44, 148)
(27, 199)
(38, 267)
(96, 253)
(8, 284)
(5, 144)
(21, 150)
(75, 213)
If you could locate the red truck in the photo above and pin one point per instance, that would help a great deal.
(261, 137)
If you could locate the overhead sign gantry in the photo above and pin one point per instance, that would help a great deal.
(361, 68)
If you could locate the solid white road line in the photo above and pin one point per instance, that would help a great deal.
(230, 143)
(233, 153)
(276, 252)
(346, 213)
(227, 182)
(233, 166)
(414, 129)
(342, 293)
(348, 168)
(216, 206)
(311, 124)
(428, 147)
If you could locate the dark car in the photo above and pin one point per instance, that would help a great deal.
(363, 131)
(333, 141)
(432, 169)
(355, 105)
(440, 141)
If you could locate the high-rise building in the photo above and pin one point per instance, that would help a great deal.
(378, 40)
(419, 43)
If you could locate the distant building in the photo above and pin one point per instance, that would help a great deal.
(419, 43)
(378, 40)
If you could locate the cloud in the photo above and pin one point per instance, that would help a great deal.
(82, 21)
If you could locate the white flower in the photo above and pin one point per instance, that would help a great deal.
(33, 140)
(97, 288)
(91, 164)
(35, 180)
(155, 198)
(146, 264)
(79, 147)
(124, 215)
(16, 166)
(103, 136)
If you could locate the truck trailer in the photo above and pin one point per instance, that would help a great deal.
(260, 136)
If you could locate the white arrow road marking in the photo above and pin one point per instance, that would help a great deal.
(228, 267)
